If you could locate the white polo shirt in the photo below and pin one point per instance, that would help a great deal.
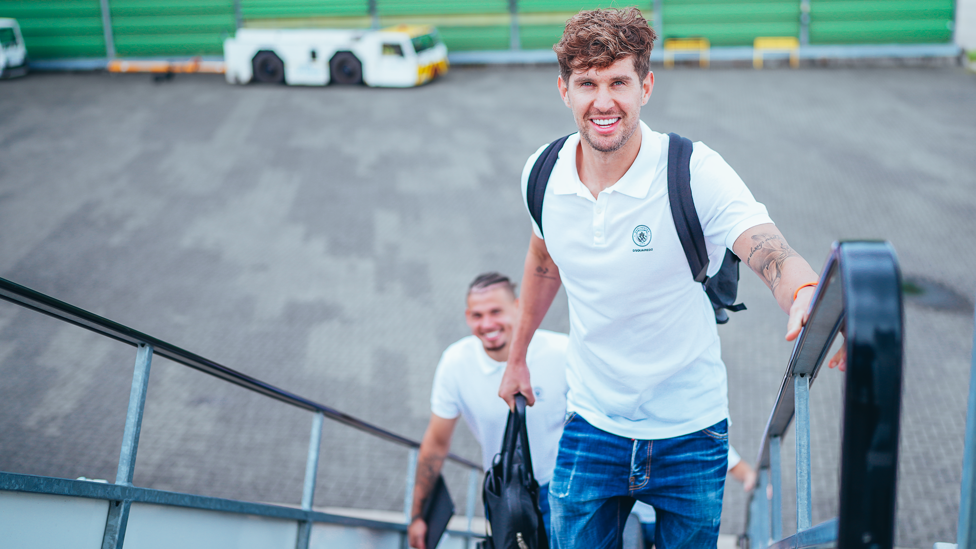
(466, 383)
(644, 357)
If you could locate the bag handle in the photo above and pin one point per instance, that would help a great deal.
(515, 442)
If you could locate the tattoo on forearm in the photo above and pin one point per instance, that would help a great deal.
(427, 471)
(543, 272)
(767, 255)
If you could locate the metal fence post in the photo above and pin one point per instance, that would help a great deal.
(118, 511)
(804, 22)
(238, 14)
(311, 473)
(659, 20)
(472, 494)
(966, 536)
(408, 493)
(515, 41)
(374, 13)
(804, 517)
(776, 480)
(107, 29)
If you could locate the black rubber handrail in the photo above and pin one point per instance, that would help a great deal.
(31, 299)
(860, 290)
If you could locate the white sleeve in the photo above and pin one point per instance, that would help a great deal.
(525, 184)
(734, 457)
(443, 395)
(725, 205)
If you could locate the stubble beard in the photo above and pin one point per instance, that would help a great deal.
(611, 147)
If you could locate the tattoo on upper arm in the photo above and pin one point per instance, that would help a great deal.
(767, 255)
(543, 272)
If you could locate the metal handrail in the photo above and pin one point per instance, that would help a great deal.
(860, 291)
(39, 302)
(124, 494)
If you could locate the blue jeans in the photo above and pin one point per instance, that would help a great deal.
(598, 477)
(544, 507)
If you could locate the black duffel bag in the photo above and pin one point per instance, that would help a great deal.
(511, 493)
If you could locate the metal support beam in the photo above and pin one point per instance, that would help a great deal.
(804, 22)
(133, 418)
(374, 14)
(776, 480)
(107, 29)
(238, 14)
(758, 525)
(515, 41)
(966, 536)
(408, 493)
(118, 511)
(659, 21)
(311, 473)
(801, 394)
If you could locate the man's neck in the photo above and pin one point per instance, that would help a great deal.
(501, 355)
(599, 170)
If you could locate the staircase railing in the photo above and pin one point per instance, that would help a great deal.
(122, 494)
(860, 294)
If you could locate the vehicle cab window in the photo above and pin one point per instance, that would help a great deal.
(393, 49)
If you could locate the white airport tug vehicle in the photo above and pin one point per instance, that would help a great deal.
(395, 57)
(13, 52)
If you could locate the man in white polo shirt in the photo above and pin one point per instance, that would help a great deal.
(647, 399)
(466, 384)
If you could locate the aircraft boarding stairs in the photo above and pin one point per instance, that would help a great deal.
(859, 293)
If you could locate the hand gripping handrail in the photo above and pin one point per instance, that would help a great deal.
(146, 346)
(859, 291)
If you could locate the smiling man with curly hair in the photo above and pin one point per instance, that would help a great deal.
(647, 401)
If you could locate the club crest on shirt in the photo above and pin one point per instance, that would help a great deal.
(642, 235)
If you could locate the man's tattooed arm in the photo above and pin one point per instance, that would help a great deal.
(428, 469)
(768, 253)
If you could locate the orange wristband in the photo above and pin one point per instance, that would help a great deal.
(797, 292)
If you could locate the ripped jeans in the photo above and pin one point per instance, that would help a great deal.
(598, 477)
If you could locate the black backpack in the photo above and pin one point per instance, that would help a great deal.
(722, 287)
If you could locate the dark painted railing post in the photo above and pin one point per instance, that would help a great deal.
(118, 511)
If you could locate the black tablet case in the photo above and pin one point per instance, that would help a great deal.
(438, 510)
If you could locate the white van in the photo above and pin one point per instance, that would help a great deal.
(13, 52)
(397, 57)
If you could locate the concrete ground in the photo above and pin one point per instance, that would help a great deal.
(322, 240)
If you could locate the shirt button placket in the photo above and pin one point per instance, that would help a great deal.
(599, 219)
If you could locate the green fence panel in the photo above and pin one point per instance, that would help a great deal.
(440, 7)
(540, 37)
(159, 28)
(574, 6)
(287, 9)
(476, 38)
(58, 28)
(730, 23)
(881, 21)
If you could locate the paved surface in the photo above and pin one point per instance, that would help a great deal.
(322, 239)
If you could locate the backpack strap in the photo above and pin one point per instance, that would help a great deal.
(683, 206)
(535, 190)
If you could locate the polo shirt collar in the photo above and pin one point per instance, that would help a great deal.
(487, 364)
(635, 183)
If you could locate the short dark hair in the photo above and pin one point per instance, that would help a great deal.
(599, 38)
(485, 280)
